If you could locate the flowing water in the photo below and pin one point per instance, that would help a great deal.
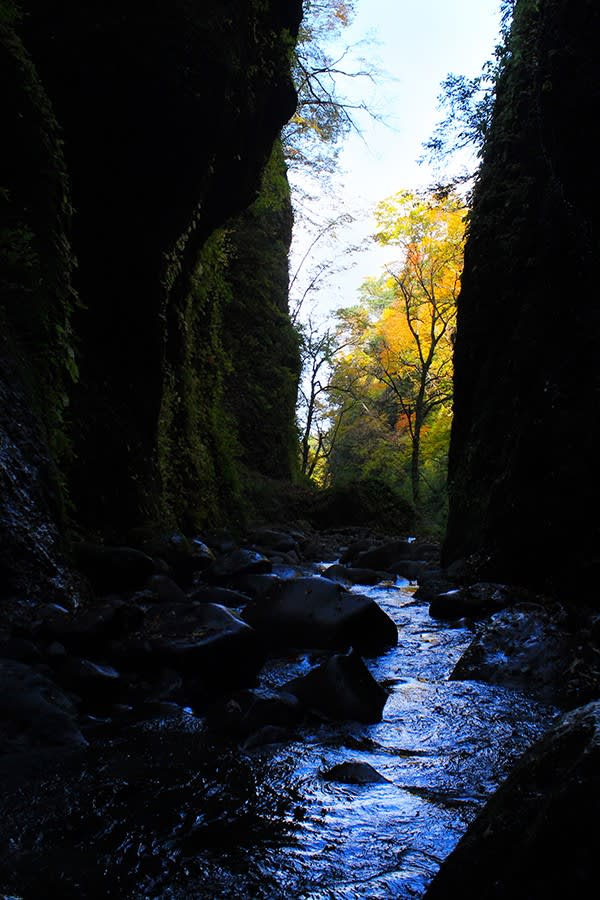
(166, 813)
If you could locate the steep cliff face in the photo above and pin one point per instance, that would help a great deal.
(135, 133)
(262, 383)
(169, 112)
(232, 364)
(523, 461)
(36, 342)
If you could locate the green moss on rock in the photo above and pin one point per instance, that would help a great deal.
(169, 112)
(197, 436)
(262, 344)
(37, 298)
(233, 365)
(158, 119)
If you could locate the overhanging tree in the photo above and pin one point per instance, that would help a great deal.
(467, 105)
(323, 70)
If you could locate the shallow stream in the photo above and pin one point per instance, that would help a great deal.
(162, 811)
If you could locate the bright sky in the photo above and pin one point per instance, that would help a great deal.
(417, 44)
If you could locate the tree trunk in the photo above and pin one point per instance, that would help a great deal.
(415, 465)
(415, 459)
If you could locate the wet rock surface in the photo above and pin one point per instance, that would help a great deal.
(32, 558)
(183, 556)
(318, 612)
(473, 600)
(352, 575)
(169, 627)
(247, 712)
(113, 568)
(354, 773)
(534, 648)
(532, 840)
(340, 688)
(38, 721)
(239, 562)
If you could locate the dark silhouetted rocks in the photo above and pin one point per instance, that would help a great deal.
(533, 839)
(340, 688)
(316, 612)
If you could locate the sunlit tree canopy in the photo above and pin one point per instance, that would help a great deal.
(390, 388)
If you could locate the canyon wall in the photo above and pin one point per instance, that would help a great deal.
(135, 137)
(524, 486)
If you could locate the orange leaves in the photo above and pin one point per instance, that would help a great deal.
(343, 12)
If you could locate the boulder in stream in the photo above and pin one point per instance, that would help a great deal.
(37, 720)
(354, 773)
(89, 630)
(166, 589)
(316, 612)
(248, 711)
(349, 553)
(412, 569)
(528, 648)
(392, 556)
(216, 594)
(90, 680)
(341, 688)
(384, 556)
(207, 642)
(255, 584)
(239, 561)
(351, 575)
(473, 601)
(113, 568)
(270, 540)
(183, 556)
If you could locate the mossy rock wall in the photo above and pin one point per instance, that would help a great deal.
(134, 136)
(262, 382)
(169, 112)
(233, 365)
(524, 449)
(37, 346)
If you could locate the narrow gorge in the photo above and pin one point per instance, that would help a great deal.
(217, 680)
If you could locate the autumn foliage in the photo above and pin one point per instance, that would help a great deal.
(390, 391)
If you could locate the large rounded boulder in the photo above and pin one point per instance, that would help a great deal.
(315, 612)
(38, 721)
(341, 688)
(206, 642)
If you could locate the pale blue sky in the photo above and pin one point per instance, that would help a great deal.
(418, 44)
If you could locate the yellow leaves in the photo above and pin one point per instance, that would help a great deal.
(408, 219)
(329, 15)
(402, 335)
(394, 330)
(307, 123)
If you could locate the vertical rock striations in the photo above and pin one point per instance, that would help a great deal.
(36, 340)
(524, 485)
